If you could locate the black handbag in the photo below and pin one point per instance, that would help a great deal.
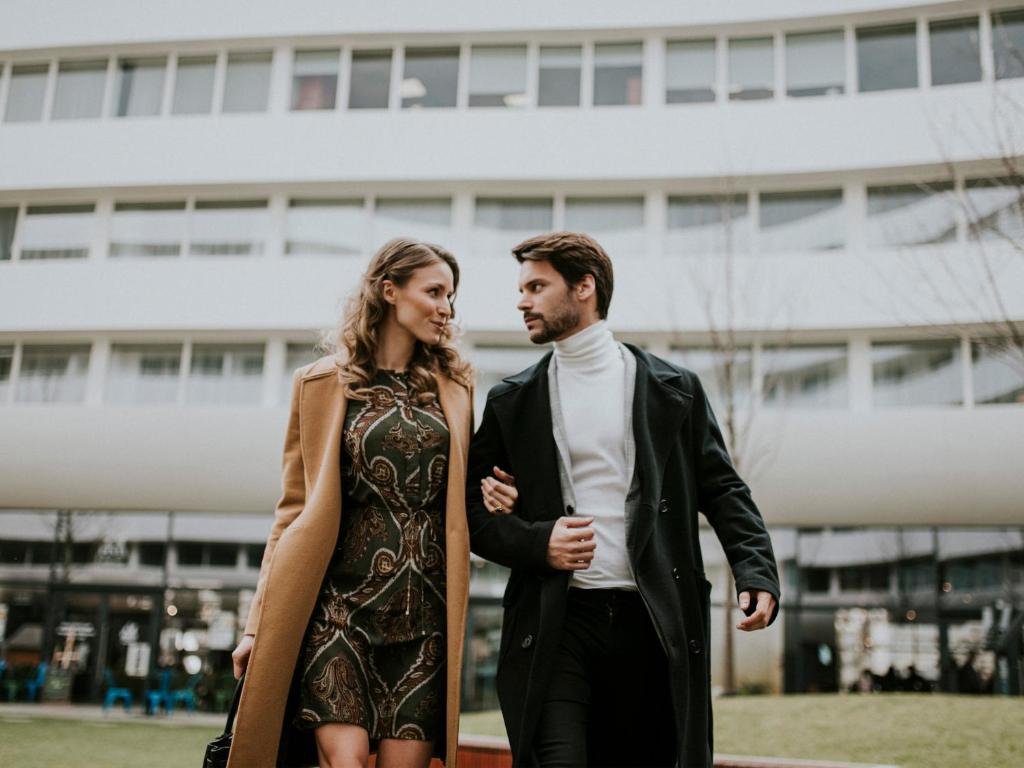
(218, 749)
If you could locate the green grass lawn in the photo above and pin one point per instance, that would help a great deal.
(906, 730)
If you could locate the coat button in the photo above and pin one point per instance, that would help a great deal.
(675, 574)
(527, 641)
(569, 509)
(663, 506)
(695, 648)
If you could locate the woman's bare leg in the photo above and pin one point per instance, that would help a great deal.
(404, 753)
(341, 745)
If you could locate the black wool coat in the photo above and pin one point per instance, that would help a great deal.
(683, 468)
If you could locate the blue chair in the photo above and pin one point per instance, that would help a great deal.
(116, 694)
(161, 697)
(32, 685)
(186, 695)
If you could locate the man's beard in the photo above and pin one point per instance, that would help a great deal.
(564, 319)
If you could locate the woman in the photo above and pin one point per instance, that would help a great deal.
(365, 573)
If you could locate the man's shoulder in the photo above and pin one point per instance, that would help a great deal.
(516, 381)
(668, 373)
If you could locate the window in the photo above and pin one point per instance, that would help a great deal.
(140, 87)
(326, 227)
(53, 374)
(254, 555)
(430, 78)
(751, 68)
(223, 555)
(57, 232)
(618, 73)
(14, 552)
(499, 223)
(226, 374)
(727, 375)
(79, 89)
(558, 83)
(315, 79)
(864, 578)
(229, 228)
(26, 93)
(917, 373)
(805, 377)
(911, 214)
(427, 219)
(887, 57)
(955, 51)
(296, 356)
(152, 553)
(143, 374)
(689, 71)
(1008, 43)
(190, 553)
(370, 80)
(815, 63)
(802, 221)
(247, 86)
(703, 224)
(147, 229)
(995, 210)
(6, 362)
(917, 576)
(997, 368)
(816, 580)
(193, 86)
(8, 221)
(616, 222)
(497, 76)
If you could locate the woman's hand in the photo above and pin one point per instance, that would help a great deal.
(499, 492)
(240, 656)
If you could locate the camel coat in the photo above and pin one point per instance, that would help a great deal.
(299, 549)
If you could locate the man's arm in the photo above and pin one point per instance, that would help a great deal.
(505, 539)
(725, 500)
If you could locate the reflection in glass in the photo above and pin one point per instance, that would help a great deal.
(1008, 43)
(143, 374)
(751, 68)
(805, 377)
(815, 63)
(917, 373)
(499, 223)
(997, 367)
(193, 85)
(26, 92)
(296, 356)
(6, 362)
(955, 51)
(887, 57)
(911, 215)
(427, 219)
(995, 209)
(229, 228)
(147, 229)
(315, 79)
(727, 375)
(700, 224)
(559, 78)
(8, 221)
(57, 232)
(226, 374)
(52, 373)
(689, 71)
(497, 76)
(618, 73)
(247, 85)
(802, 221)
(326, 227)
(79, 89)
(430, 78)
(616, 222)
(370, 80)
(140, 87)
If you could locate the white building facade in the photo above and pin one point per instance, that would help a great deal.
(824, 206)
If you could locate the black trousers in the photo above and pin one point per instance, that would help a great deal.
(609, 702)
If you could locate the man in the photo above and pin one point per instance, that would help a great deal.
(585, 478)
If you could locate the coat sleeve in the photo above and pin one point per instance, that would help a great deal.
(506, 539)
(726, 501)
(293, 499)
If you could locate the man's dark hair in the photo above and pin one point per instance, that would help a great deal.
(573, 255)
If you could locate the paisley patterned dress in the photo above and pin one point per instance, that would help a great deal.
(374, 650)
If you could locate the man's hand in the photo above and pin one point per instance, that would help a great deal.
(240, 656)
(571, 546)
(765, 605)
(499, 492)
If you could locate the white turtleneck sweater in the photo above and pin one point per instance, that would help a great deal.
(591, 387)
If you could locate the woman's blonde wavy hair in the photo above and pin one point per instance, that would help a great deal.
(354, 341)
